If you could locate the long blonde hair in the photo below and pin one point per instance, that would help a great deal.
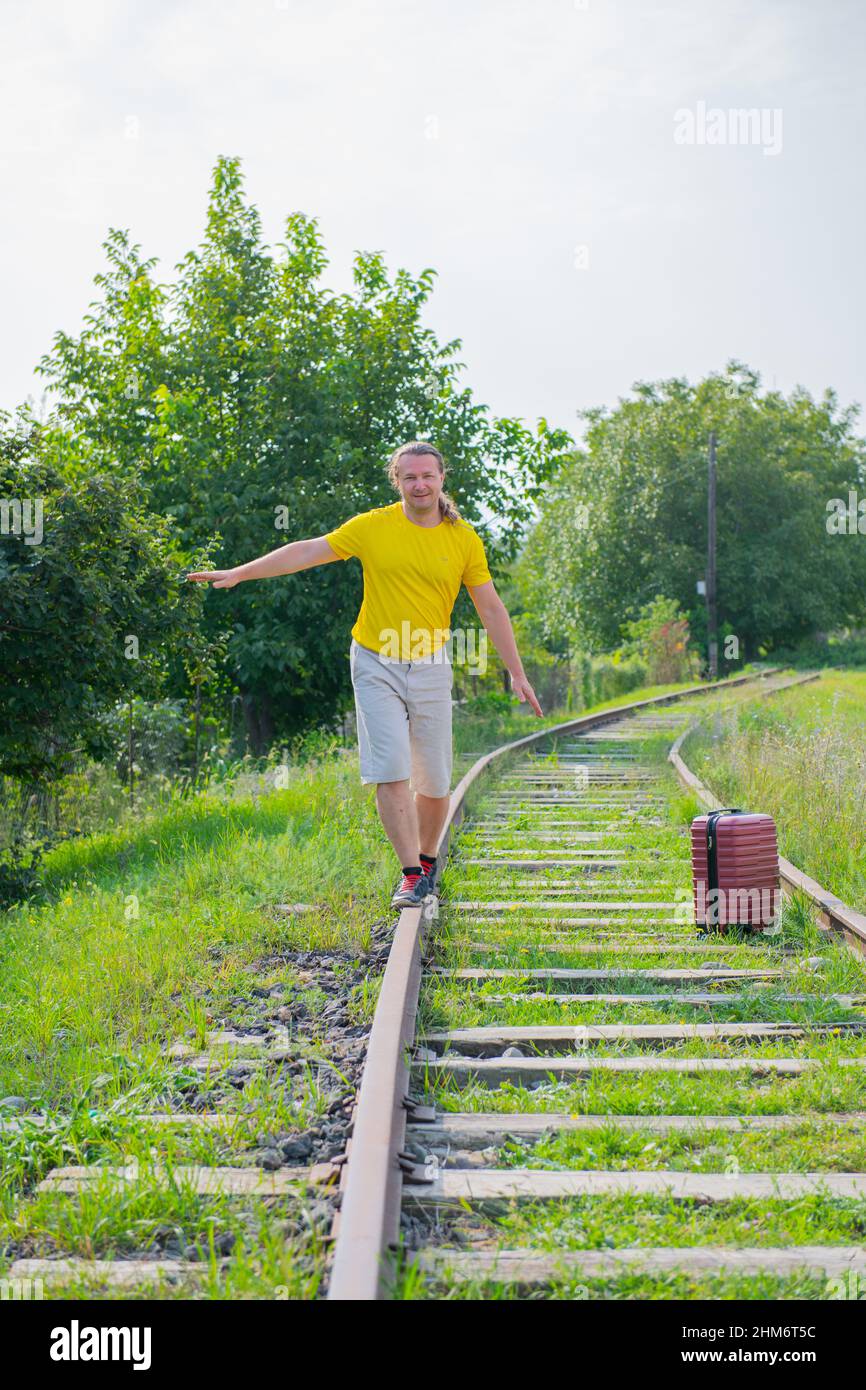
(447, 505)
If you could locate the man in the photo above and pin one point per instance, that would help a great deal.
(415, 554)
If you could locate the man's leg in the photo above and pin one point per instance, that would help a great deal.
(384, 754)
(432, 813)
(399, 819)
(383, 747)
(429, 706)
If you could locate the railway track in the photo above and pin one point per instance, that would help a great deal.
(587, 1098)
(568, 1090)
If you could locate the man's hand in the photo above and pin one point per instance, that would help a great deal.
(221, 579)
(524, 691)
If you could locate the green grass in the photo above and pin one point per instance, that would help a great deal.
(599, 1223)
(142, 922)
(813, 1145)
(272, 1245)
(822, 1090)
(801, 757)
(625, 1288)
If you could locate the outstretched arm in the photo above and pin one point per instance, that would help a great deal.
(299, 555)
(494, 616)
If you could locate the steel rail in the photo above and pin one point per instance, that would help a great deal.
(833, 915)
(368, 1222)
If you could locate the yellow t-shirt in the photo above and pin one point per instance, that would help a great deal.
(412, 576)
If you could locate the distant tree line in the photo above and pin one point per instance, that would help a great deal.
(625, 522)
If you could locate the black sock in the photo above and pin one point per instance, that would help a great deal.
(428, 864)
(413, 869)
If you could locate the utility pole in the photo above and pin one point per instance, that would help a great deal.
(712, 615)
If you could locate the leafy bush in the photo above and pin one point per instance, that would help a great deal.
(88, 613)
(596, 679)
(660, 638)
(19, 871)
(163, 736)
(843, 649)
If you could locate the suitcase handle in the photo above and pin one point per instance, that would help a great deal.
(713, 859)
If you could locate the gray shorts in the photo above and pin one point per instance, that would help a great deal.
(404, 719)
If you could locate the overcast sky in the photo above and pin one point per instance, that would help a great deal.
(558, 163)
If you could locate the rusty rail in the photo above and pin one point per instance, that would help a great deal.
(368, 1222)
(833, 915)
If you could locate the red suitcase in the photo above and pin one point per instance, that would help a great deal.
(735, 870)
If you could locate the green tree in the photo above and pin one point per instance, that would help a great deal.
(267, 410)
(105, 378)
(626, 520)
(88, 611)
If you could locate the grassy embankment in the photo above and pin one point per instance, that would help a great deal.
(801, 757)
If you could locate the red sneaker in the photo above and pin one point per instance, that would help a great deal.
(414, 888)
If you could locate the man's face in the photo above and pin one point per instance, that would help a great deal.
(420, 481)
